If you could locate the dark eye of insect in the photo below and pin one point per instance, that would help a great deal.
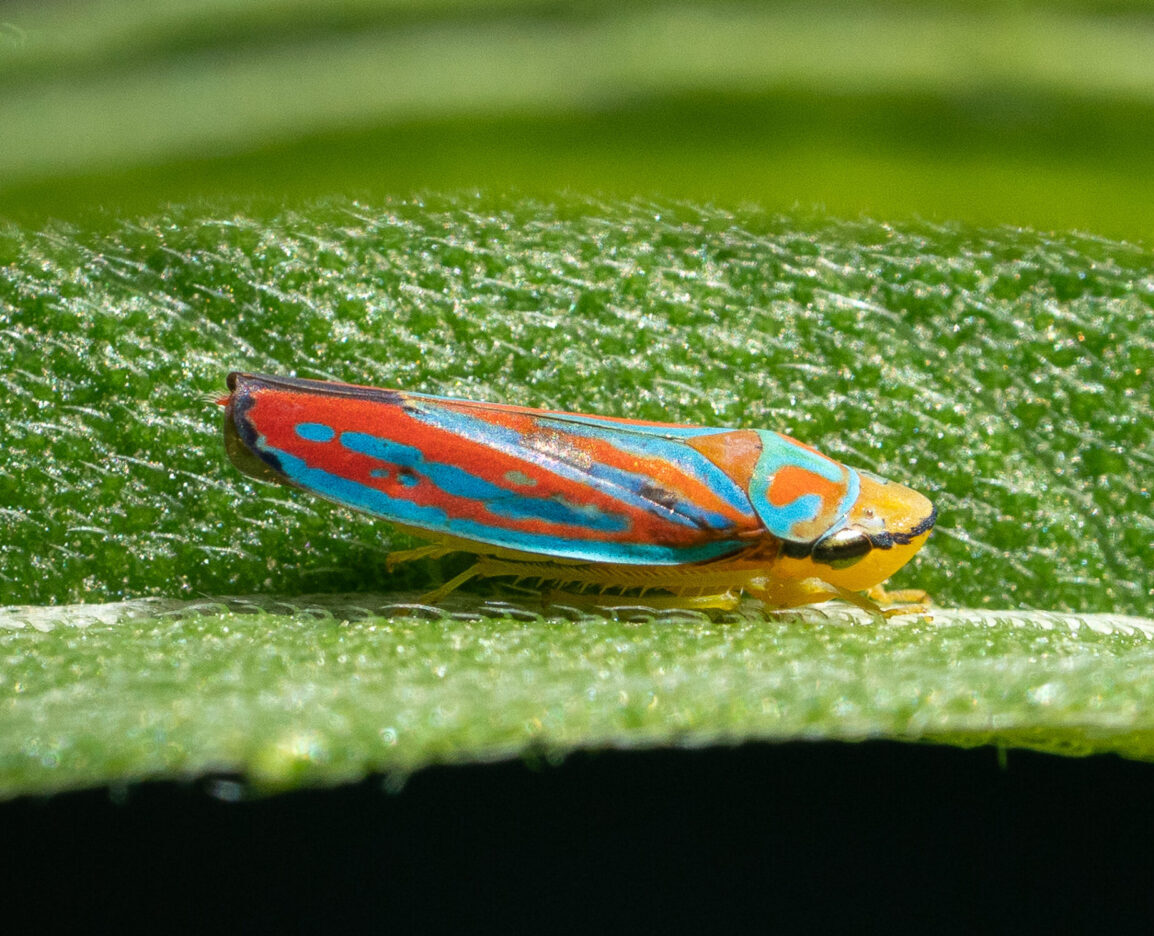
(841, 549)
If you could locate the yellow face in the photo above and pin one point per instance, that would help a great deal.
(886, 526)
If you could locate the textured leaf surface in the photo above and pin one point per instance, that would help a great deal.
(329, 688)
(1004, 373)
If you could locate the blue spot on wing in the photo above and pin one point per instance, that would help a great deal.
(315, 432)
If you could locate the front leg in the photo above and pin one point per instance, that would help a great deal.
(797, 593)
(901, 600)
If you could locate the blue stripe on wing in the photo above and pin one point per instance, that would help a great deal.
(502, 502)
(568, 461)
(436, 520)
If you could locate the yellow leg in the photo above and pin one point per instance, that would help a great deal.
(879, 594)
(490, 567)
(720, 602)
(776, 593)
(394, 559)
(901, 600)
(438, 594)
(796, 593)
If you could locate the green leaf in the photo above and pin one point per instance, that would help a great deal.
(325, 689)
(1003, 372)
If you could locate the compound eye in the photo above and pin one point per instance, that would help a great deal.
(841, 549)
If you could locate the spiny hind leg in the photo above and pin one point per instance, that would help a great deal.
(394, 559)
(726, 601)
(586, 577)
(438, 594)
(489, 567)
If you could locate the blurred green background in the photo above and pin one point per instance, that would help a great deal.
(1026, 113)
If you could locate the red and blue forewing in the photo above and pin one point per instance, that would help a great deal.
(562, 485)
